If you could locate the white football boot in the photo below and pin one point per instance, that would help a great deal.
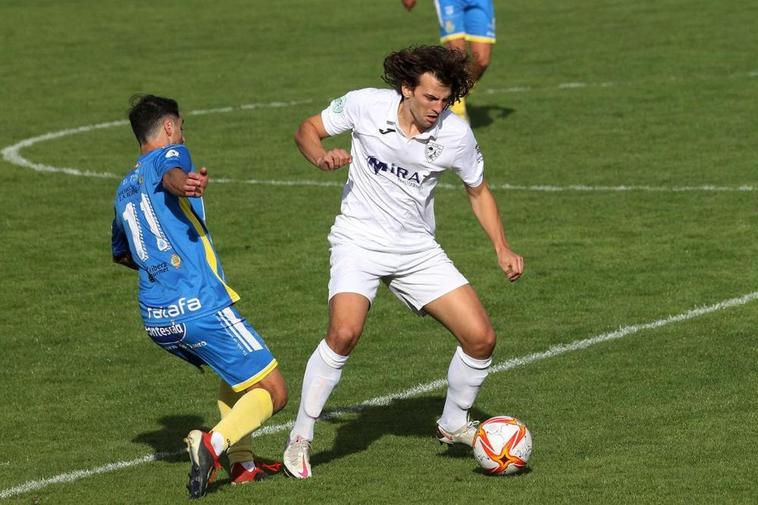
(297, 458)
(463, 435)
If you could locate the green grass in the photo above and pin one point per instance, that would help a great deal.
(666, 99)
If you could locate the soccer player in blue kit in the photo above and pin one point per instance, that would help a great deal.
(462, 22)
(187, 307)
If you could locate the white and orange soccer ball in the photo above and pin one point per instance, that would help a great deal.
(502, 445)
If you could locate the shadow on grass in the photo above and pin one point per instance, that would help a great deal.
(413, 417)
(482, 471)
(168, 444)
(167, 441)
(484, 115)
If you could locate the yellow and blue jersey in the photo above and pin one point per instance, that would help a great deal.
(180, 275)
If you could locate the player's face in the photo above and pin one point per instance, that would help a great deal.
(426, 101)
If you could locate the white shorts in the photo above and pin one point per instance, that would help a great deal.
(416, 278)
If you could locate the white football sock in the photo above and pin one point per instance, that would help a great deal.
(218, 442)
(248, 465)
(322, 373)
(464, 378)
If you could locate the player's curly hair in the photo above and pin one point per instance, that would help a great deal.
(449, 66)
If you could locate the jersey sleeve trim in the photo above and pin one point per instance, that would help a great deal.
(476, 184)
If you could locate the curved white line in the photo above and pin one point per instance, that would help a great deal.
(12, 155)
(509, 364)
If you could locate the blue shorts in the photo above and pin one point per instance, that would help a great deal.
(224, 341)
(473, 20)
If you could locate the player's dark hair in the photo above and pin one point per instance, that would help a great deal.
(146, 113)
(449, 66)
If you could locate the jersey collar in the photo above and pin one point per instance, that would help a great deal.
(431, 133)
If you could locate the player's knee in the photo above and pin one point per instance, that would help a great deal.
(341, 339)
(483, 345)
(280, 400)
(482, 60)
(279, 395)
(480, 64)
(276, 387)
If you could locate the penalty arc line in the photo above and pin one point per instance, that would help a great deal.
(12, 154)
(415, 391)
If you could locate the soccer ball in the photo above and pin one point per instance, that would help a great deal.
(502, 445)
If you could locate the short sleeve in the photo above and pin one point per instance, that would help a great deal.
(173, 156)
(469, 163)
(342, 114)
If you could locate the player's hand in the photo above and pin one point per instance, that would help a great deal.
(196, 182)
(511, 263)
(334, 159)
(409, 4)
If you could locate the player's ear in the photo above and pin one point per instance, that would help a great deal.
(168, 126)
(406, 90)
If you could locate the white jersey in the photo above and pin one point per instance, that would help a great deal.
(388, 200)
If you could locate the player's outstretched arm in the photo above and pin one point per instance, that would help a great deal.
(308, 139)
(179, 183)
(485, 209)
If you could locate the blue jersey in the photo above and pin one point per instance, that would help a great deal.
(180, 275)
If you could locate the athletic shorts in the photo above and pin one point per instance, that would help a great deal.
(224, 341)
(473, 20)
(416, 278)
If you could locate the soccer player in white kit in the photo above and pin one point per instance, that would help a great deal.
(404, 139)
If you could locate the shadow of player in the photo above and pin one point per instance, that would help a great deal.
(484, 115)
(168, 445)
(414, 417)
(167, 442)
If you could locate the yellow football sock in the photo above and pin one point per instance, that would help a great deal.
(459, 109)
(241, 414)
(243, 449)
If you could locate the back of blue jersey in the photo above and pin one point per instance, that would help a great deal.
(180, 275)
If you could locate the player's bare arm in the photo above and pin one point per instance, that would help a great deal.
(485, 209)
(180, 183)
(308, 139)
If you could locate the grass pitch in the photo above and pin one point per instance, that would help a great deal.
(620, 138)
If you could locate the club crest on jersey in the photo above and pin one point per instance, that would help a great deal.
(172, 153)
(338, 105)
(432, 151)
(403, 175)
(176, 261)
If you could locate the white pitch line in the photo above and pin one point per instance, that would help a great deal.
(509, 364)
(624, 188)
(12, 154)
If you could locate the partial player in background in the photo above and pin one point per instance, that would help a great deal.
(403, 140)
(188, 309)
(462, 22)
